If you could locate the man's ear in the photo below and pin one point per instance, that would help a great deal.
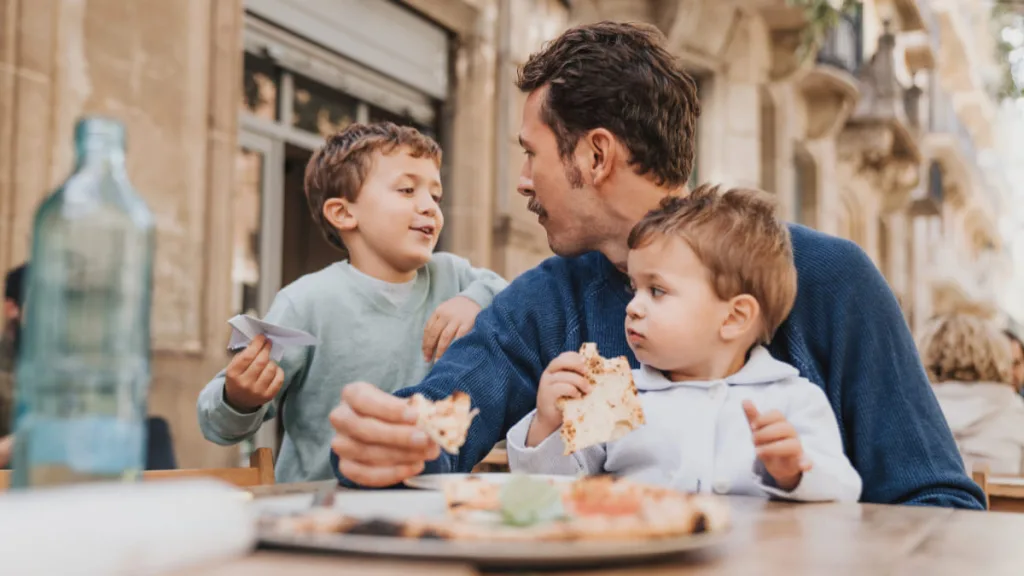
(338, 213)
(743, 318)
(602, 153)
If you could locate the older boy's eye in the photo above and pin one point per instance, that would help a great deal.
(407, 190)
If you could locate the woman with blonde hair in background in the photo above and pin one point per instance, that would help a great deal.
(969, 362)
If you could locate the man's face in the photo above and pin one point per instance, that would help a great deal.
(557, 190)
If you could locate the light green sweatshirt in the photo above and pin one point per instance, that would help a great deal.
(367, 331)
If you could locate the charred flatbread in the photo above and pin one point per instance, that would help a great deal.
(610, 411)
(445, 421)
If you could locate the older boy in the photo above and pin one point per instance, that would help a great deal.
(384, 314)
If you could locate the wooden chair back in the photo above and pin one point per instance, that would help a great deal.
(259, 473)
(495, 461)
(1002, 493)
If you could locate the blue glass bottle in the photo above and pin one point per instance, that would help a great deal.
(83, 373)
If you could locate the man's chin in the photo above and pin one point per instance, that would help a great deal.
(565, 249)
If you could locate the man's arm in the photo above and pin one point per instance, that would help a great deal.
(500, 362)
(895, 434)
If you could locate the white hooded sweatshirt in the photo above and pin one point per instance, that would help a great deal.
(987, 420)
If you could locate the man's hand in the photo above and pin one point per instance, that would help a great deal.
(451, 321)
(252, 379)
(375, 438)
(564, 378)
(778, 446)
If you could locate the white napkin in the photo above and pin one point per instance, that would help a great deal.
(117, 529)
(245, 328)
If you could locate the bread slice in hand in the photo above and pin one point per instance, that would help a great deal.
(445, 421)
(610, 411)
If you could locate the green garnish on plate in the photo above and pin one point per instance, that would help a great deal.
(526, 501)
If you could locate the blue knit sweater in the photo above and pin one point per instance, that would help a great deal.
(846, 333)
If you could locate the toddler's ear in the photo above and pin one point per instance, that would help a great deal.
(338, 213)
(743, 319)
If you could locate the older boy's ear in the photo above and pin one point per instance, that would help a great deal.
(743, 318)
(338, 213)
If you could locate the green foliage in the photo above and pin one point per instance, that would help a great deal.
(1008, 23)
(821, 16)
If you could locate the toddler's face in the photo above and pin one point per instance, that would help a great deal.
(673, 322)
(398, 209)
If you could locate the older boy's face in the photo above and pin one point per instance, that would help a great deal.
(398, 210)
(673, 321)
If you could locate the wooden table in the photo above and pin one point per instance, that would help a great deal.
(769, 538)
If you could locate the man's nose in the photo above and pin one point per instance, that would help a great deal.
(525, 186)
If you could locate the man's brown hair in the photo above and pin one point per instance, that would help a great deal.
(620, 77)
(741, 241)
(340, 167)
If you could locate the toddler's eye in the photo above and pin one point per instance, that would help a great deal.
(656, 292)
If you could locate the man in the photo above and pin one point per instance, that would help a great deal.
(13, 286)
(608, 130)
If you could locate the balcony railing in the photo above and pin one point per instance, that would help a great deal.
(942, 119)
(842, 46)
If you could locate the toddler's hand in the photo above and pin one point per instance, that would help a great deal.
(563, 379)
(778, 446)
(451, 321)
(252, 378)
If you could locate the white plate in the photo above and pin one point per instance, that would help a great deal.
(436, 481)
(400, 504)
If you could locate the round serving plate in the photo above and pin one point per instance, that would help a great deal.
(397, 505)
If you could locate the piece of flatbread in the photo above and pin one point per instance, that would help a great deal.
(445, 421)
(610, 411)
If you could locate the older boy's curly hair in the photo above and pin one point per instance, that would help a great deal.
(340, 167)
(965, 348)
(741, 241)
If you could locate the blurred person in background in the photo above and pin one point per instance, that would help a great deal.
(13, 300)
(1017, 346)
(970, 365)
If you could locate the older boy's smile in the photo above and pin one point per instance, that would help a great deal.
(427, 230)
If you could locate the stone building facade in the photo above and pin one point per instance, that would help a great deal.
(878, 137)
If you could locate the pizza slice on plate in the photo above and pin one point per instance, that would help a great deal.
(445, 421)
(610, 411)
(528, 509)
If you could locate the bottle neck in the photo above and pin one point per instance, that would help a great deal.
(99, 144)
(98, 157)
